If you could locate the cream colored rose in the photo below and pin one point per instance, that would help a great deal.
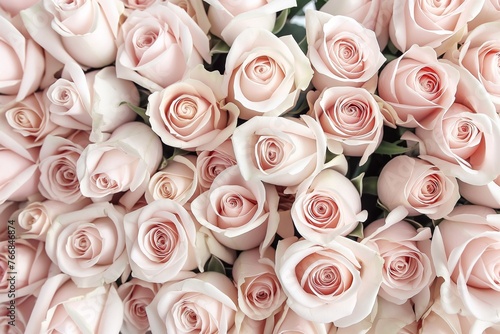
(342, 52)
(327, 206)
(264, 74)
(202, 304)
(335, 283)
(158, 45)
(417, 187)
(89, 244)
(209, 164)
(278, 150)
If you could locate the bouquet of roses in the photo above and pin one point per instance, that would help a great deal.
(263, 166)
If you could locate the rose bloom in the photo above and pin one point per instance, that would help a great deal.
(372, 14)
(65, 308)
(464, 141)
(34, 220)
(136, 296)
(91, 101)
(428, 23)
(229, 19)
(479, 55)
(58, 167)
(418, 87)
(278, 150)
(264, 74)
(205, 303)
(21, 311)
(209, 164)
(192, 114)
(335, 283)
(32, 267)
(159, 45)
(489, 12)
(465, 254)
(486, 195)
(160, 239)
(89, 244)
(260, 295)
(178, 181)
(389, 318)
(23, 61)
(19, 177)
(351, 119)
(82, 32)
(124, 161)
(196, 10)
(27, 121)
(418, 187)
(342, 51)
(327, 206)
(241, 214)
(407, 267)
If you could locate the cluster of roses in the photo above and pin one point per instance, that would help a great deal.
(95, 202)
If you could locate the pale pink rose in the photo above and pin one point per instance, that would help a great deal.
(479, 55)
(82, 31)
(192, 114)
(89, 244)
(209, 164)
(139, 4)
(372, 14)
(159, 45)
(22, 64)
(464, 141)
(417, 187)
(205, 303)
(327, 206)
(63, 307)
(489, 12)
(428, 23)
(418, 87)
(24, 267)
(335, 283)
(207, 246)
(124, 161)
(342, 51)
(351, 119)
(14, 7)
(287, 321)
(264, 74)
(241, 214)
(465, 254)
(244, 324)
(390, 318)
(160, 239)
(91, 101)
(486, 195)
(178, 181)
(27, 121)
(196, 10)
(58, 167)
(260, 295)
(136, 296)
(7, 213)
(15, 314)
(437, 320)
(408, 268)
(19, 177)
(278, 150)
(230, 18)
(34, 220)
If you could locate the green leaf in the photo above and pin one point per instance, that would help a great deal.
(139, 111)
(298, 32)
(329, 156)
(370, 185)
(300, 5)
(320, 3)
(280, 21)
(215, 264)
(220, 47)
(357, 232)
(387, 148)
(358, 182)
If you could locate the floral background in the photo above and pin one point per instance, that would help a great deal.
(263, 166)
